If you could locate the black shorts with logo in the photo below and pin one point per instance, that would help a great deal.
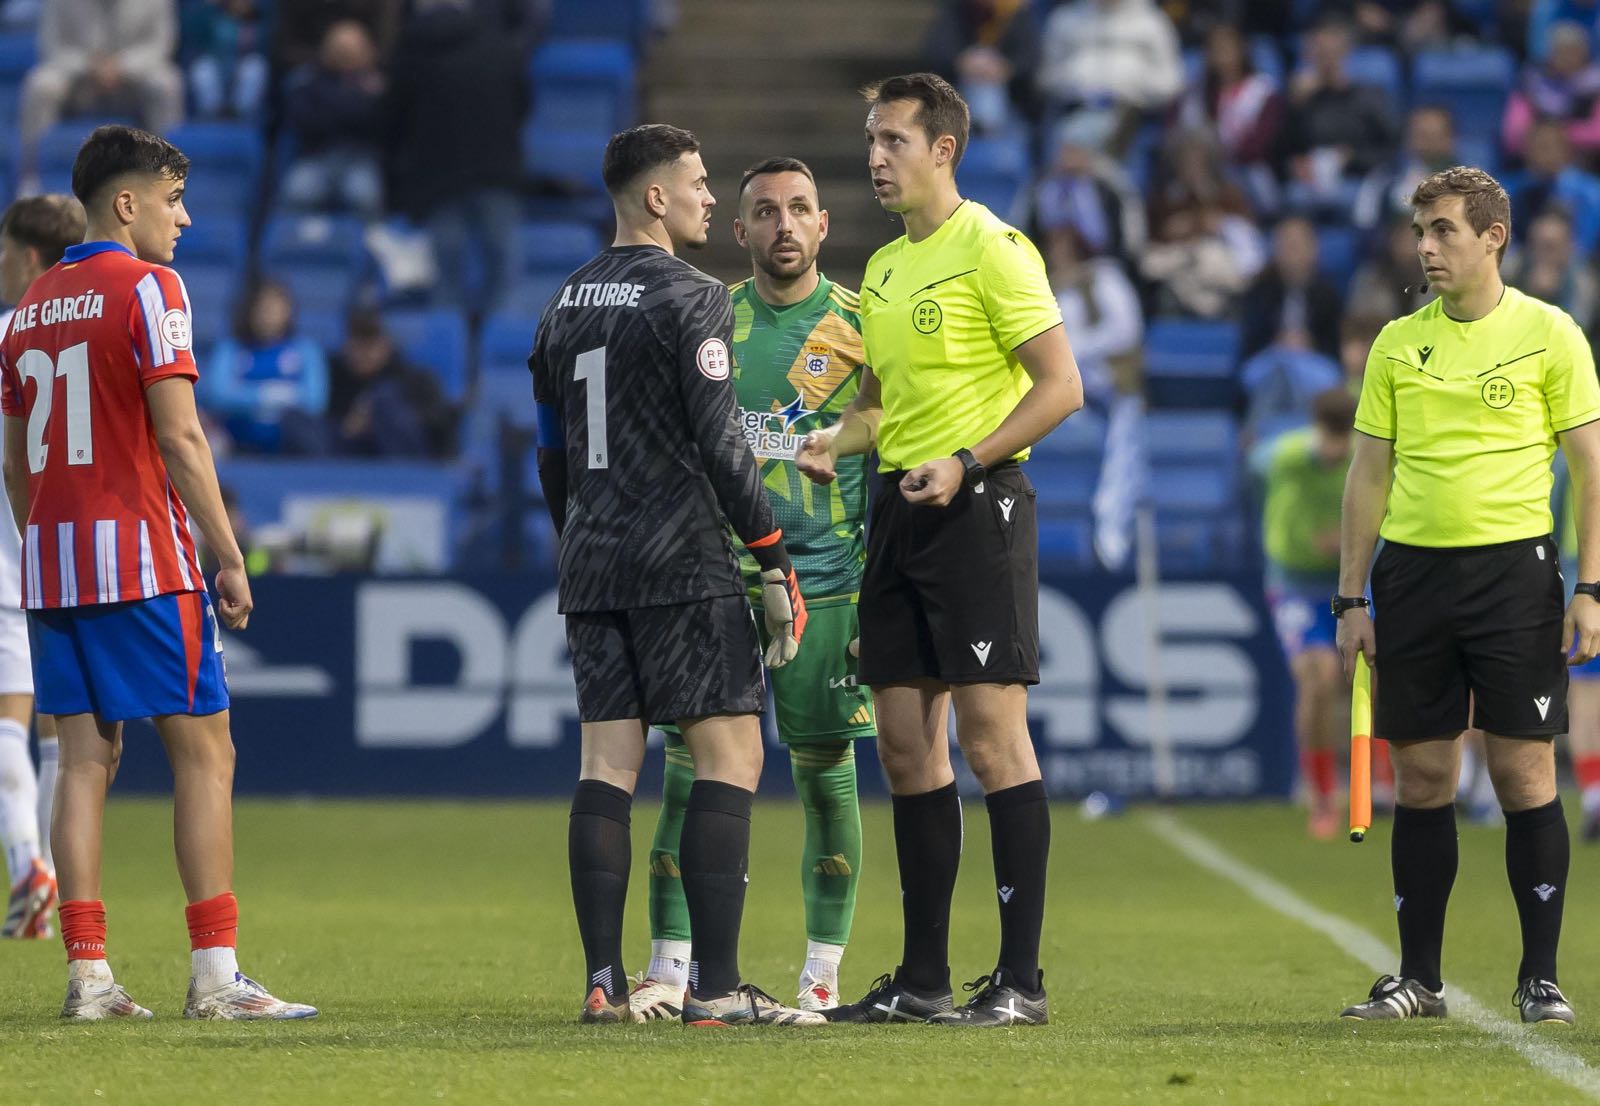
(952, 593)
(662, 664)
(1482, 623)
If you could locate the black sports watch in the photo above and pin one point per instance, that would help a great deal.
(975, 469)
(1591, 590)
(1342, 603)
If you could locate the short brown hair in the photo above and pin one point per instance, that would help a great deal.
(1334, 410)
(48, 224)
(940, 108)
(1485, 200)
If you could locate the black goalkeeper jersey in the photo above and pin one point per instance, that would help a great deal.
(634, 353)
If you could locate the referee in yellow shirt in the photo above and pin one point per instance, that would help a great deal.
(1463, 403)
(968, 367)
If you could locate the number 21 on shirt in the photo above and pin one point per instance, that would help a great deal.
(73, 364)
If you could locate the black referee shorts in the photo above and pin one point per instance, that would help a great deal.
(668, 663)
(952, 593)
(1483, 622)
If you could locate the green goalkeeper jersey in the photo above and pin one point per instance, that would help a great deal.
(795, 368)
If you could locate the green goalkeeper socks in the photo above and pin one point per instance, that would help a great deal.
(669, 910)
(830, 867)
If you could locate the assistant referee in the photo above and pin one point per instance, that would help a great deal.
(968, 367)
(1464, 401)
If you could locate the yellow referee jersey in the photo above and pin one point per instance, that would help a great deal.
(1473, 409)
(941, 319)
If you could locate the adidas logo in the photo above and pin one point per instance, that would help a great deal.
(981, 648)
(1006, 893)
(861, 717)
(665, 865)
(1544, 891)
(835, 865)
(1543, 703)
(1005, 508)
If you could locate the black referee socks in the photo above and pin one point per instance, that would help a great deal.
(1424, 856)
(927, 843)
(714, 855)
(1019, 827)
(1538, 851)
(599, 850)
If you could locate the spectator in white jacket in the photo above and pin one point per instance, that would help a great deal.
(101, 55)
(1110, 61)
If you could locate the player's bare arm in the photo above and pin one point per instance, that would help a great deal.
(1581, 446)
(1366, 497)
(188, 458)
(855, 433)
(16, 469)
(1056, 393)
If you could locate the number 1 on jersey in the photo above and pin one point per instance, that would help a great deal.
(590, 367)
(72, 363)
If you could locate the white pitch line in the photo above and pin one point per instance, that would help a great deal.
(1361, 945)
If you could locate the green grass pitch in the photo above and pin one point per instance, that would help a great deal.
(438, 939)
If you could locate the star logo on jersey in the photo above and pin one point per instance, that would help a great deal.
(793, 413)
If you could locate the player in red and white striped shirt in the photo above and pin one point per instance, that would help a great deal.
(109, 475)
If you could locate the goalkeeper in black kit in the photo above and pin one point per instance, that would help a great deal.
(642, 458)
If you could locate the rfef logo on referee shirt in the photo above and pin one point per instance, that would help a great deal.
(927, 317)
(1498, 392)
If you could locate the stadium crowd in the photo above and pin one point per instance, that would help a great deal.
(385, 193)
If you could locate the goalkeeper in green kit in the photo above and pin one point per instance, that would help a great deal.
(797, 354)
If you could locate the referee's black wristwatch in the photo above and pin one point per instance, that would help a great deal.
(975, 470)
(1342, 603)
(1591, 590)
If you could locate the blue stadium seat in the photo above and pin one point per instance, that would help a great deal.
(1379, 67)
(1193, 486)
(1338, 253)
(1473, 83)
(324, 326)
(1190, 362)
(221, 239)
(584, 84)
(212, 286)
(1195, 543)
(1064, 483)
(558, 247)
(226, 166)
(1066, 543)
(1206, 436)
(18, 53)
(504, 344)
(532, 292)
(58, 148)
(994, 170)
(436, 340)
(623, 20)
(1082, 435)
(573, 157)
(321, 257)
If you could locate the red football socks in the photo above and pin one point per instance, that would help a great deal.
(213, 922)
(83, 929)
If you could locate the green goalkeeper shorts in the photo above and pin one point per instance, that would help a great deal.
(816, 695)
